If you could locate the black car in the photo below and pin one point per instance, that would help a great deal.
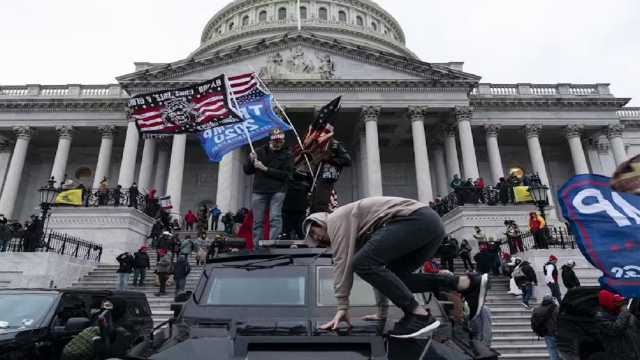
(269, 305)
(36, 324)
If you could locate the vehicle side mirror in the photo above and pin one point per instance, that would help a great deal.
(77, 324)
(177, 309)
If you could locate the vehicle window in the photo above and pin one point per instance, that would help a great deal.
(23, 311)
(260, 287)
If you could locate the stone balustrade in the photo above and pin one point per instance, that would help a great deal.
(629, 113)
(518, 90)
(69, 91)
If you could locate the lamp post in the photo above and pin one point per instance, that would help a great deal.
(540, 195)
(48, 194)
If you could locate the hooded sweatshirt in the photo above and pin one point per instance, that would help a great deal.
(349, 228)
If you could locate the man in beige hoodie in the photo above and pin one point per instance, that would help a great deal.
(384, 240)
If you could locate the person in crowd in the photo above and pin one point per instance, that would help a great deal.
(537, 229)
(513, 287)
(227, 221)
(165, 242)
(331, 163)
(163, 270)
(569, 278)
(514, 236)
(375, 238)
(479, 186)
(187, 246)
(484, 260)
(103, 192)
(503, 191)
(544, 322)
(513, 182)
(468, 191)
(479, 236)
(246, 230)
(481, 327)
(156, 232)
(215, 217)
(448, 251)
(152, 207)
(117, 194)
(201, 254)
(457, 185)
(133, 195)
(175, 225)
(465, 255)
(525, 278)
(181, 272)
(295, 206)
(271, 165)
(619, 326)
(125, 267)
(550, 271)
(141, 263)
(189, 220)
(5, 233)
(203, 220)
(495, 250)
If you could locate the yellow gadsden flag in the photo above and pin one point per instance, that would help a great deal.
(522, 194)
(70, 197)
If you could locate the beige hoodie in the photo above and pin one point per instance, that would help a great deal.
(349, 227)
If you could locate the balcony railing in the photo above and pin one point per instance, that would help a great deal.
(63, 91)
(632, 113)
(58, 243)
(534, 90)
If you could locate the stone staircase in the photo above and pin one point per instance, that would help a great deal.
(104, 277)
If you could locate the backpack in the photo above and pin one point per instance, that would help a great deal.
(518, 273)
(539, 322)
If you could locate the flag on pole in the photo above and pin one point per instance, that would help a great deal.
(70, 197)
(186, 110)
(319, 135)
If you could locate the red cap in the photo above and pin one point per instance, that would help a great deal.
(553, 258)
(609, 301)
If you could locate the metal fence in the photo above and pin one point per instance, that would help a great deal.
(556, 237)
(113, 197)
(59, 243)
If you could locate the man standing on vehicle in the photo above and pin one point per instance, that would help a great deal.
(271, 166)
(384, 240)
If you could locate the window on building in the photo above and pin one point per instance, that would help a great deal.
(282, 14)
(374, 26)
(262, 16)
(303, 13)
(386, 30)
(323, 14)
(231, 25)
(359, 20)
(245, 20)
(342, 16)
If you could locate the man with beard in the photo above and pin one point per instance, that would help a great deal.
(271, 166)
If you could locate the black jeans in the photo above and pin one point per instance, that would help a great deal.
(292, 224)
(387, 261)
(466, 260)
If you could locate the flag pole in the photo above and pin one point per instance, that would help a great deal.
(244, 126)
(299, 17)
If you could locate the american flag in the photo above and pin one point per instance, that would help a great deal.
(245, 88)
(319, 135)
(190, 109)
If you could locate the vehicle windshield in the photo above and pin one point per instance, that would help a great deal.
(23, 311)
(277, 286)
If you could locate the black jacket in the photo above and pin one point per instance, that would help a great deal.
(182, 269)
(529, 275)
(141, 260)
(126, 263)
(549, 312)
(279, 166)
(297, 198)
(332, 167)
(569, 278)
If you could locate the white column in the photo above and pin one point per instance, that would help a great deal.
(59, 168)
(469, 161)
(364, 192)
(176, 172)
(606, 158)
(162, 167)
(441, 170)
(129, 155)
(374, 171)
(229, 192)
(421, 155)
(14, 174)
(594, 159)
(573, 134)
(614, 134)
(104, 156)
(453, 165)
(146, 165)
(535, 152)
(5, 158)
(495, 160)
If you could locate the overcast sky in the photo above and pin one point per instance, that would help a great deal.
(504, 41)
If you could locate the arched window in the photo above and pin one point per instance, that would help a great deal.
(303, 13)
(231, 26)
(245, 20)
(374, 26)
(359, 20)
(282, 14)
(262, 17)
(322, 13)
(342, 16)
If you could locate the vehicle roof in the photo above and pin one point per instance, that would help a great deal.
(267, 253)
(72, 291)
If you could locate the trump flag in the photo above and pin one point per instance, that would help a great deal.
(606, 225)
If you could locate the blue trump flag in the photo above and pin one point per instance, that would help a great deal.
(259, 121)
(606, 225)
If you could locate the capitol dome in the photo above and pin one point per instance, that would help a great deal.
(361, 22)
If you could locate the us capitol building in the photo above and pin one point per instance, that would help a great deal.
(409, 124)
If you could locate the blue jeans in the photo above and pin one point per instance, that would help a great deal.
(259, 203)
(138, 276)
(180, 285)
(3, 245)
(527, 293)
(123, 281)
(552, 347)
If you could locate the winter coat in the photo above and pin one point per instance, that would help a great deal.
(182, 269)
(215, 213)
(465, 249)
(126, 263)
(536, 223)
(279, 165)
(529, 277)
(297, 198)
(190, 218)
(548, 310)
(554, 272)
(187, 246)
(141, 260)
(569, 278)
(5, 232)
(620, 334)
(332, 168)
(164, 265)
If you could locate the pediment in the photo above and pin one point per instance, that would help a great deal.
(304, 57)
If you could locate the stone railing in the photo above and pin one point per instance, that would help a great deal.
(630, 113)
(516, 90)
(63, 91)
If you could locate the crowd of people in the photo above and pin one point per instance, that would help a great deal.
(29, 235)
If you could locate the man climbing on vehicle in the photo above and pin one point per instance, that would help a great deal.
(384, 240)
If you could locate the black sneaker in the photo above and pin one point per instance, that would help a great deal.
(411, 326)
(476, 294)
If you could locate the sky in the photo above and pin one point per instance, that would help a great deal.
(504, 41)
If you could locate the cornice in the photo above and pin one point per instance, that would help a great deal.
(530, 103)
(62, 105)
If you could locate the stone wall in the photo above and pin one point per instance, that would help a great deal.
(41, 270)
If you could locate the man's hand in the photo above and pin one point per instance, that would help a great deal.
(341, 315)
(253, 157)
(259, 165)
(374, 317)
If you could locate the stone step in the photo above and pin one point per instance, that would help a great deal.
(512, 325)
(520, 348)
(513, 332)
(506, 340)
(531, 356)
